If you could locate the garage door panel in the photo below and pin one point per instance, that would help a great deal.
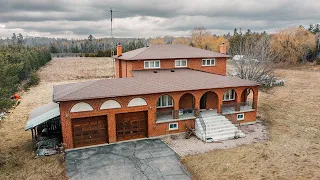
(89, 131)
(131, 125)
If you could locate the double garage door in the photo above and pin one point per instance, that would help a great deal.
(94, 130)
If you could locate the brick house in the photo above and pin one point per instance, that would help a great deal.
(158, 90)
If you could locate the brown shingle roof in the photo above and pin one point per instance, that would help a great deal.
(169, 51)
(146, 82)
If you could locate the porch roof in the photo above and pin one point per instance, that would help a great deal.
(146, 82)
(42, 114)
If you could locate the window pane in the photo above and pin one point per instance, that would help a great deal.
(177, 63)
(208, 62)
(184, 63)
(203, 62)
(232, 94)
(158, 102)
(164, 100)
(212, 62)
(157, 63)
(151, 64)
(170, 101)
(146, 64)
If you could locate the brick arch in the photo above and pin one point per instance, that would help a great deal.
(81, 107)
(245, 96)
(209, 100)
(187, 100)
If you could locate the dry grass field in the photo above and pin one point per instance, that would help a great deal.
(292, 112)
(17, 161)
(293, 152)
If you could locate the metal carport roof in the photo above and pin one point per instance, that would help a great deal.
(42, 114)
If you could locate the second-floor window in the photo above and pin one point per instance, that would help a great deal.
(208, 62)
(152, 64)
(180, 63)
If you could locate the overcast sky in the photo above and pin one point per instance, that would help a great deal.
(150, 18)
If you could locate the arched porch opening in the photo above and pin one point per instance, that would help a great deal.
(186, 106)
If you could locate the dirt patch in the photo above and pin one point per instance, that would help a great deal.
(293, 151)
(182, 146)
(18, 161)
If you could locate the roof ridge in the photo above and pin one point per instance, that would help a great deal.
(141, 51)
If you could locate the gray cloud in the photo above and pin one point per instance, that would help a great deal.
(147, 18)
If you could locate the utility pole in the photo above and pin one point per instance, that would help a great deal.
(112, 52)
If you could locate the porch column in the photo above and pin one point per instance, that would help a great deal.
(112, 131)
(238, 100)
(255, 98)
(66, 126)
(176, 107)
(196, 105)
(220, 102)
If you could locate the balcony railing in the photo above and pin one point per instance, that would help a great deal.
(235, 107)
(175, 114)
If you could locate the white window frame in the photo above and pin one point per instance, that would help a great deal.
(227, 94)
(166, 97)
(180, 64)
(149, 63)
(174, 128)
(208, 62)
(240, 118)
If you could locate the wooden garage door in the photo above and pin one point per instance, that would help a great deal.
(131, 125)
(89, 131)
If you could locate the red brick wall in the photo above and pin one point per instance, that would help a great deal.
(219, 68)
(248, 117)
(211, 101)
(186, 101)
(154, 129)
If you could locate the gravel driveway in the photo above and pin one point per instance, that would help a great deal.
(143, 159)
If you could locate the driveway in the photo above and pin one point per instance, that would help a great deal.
(143, 159)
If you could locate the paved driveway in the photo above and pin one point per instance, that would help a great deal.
(143, 159)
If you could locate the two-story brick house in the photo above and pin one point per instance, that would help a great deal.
(158, 90)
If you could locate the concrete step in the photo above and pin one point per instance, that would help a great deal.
(215, 123)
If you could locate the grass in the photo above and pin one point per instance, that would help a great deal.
(292, 113)
(293, 152)
(17, 161)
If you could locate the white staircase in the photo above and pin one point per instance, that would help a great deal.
(217, 127)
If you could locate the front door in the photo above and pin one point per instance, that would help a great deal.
(131, 125)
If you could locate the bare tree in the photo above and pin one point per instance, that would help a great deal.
(255, 60)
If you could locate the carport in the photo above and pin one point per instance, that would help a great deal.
(44, 123)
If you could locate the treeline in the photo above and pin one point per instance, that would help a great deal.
(19, 64)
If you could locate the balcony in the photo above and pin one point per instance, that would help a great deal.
(174, 115)
(237, 107)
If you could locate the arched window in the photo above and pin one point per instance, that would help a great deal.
(137, 102)
(110, 104)
(80, 107)
(165, 101)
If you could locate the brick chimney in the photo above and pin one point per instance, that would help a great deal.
(223, 48)
(119, 50)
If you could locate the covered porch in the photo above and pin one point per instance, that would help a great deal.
(222, 101)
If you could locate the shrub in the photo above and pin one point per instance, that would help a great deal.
(318, 61)
(92, 55)
(86, 55)
(33, 79)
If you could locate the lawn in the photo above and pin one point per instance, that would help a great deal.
(293, 152)
(292, 113)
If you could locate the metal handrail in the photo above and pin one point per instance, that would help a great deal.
(203, 124)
